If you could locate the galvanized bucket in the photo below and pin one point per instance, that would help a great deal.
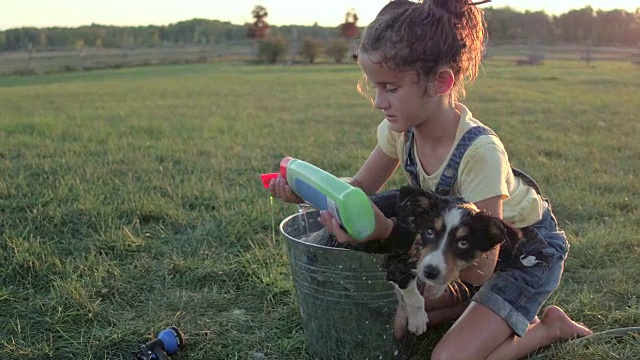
(347, 305)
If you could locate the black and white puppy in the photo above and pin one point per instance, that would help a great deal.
(434, 237)
(449, 235)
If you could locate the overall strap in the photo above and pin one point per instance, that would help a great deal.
(410, 164)
(527, 179)
(450, 172)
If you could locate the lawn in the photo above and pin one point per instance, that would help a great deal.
(130, 199)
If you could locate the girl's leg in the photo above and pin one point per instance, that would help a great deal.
(554, 326)
(481, 334)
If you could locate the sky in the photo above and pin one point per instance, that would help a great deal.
(73, 13)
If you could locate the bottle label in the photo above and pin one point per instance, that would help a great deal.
(310, 194)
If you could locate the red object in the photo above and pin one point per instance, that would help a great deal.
(283, 166)
(266, 178)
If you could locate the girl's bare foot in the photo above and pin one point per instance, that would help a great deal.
(564, 328)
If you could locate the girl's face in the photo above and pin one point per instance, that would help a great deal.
(398, 94)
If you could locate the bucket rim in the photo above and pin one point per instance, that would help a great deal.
(288, 218)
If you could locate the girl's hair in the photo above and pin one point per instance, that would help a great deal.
(425, 36)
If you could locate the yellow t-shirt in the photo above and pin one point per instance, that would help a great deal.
(484, 172)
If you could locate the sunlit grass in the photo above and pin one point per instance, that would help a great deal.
(130, 200)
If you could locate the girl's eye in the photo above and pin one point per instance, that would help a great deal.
(391, 89)
(463, 244)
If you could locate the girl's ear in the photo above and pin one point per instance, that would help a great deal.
(444, 81)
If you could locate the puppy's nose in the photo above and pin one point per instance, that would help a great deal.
(431, 272)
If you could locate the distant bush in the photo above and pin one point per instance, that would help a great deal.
(24, 72)
(311, 49)
(68, 68)
(272, 49)
(337, 49)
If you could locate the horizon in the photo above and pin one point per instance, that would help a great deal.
(122, 13)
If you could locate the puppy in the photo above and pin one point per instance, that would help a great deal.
(434, 238)
(449, 235)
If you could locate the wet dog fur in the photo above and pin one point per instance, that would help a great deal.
(442, 235)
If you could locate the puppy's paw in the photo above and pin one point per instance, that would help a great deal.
(417, 321)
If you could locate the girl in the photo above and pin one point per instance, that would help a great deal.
(417, 56)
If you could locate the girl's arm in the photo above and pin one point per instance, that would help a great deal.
(479, 273)
(375, 171)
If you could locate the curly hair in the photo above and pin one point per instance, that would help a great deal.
(427, 35)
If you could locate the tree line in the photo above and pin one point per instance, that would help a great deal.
(505, 25)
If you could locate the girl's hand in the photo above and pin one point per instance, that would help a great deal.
(381, 232)
(279, 188)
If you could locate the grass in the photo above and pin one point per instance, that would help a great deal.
(130, 200)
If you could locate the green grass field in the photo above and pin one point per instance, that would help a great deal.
(130, 200)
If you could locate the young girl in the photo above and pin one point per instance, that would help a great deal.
(418, 56)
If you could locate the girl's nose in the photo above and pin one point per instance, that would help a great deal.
(381, 102)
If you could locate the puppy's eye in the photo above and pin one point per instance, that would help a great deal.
(430, 233)
(463, 244)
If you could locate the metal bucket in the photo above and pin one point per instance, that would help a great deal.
(346, 303)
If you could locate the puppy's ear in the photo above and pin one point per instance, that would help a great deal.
(387, 201)
(511, 235)
(496, 231)
(409, 191)
(415, 204)
(417, 198)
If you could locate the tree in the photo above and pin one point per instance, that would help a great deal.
(42, 41)
(337, 49)
(80, 45)
(349, 29)
(260, 28)
(311, 49)
(505, 25)
(536, 26)
(577, 26)
(272, 49)
(610, 27)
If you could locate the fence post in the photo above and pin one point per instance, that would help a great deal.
(588, 53)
